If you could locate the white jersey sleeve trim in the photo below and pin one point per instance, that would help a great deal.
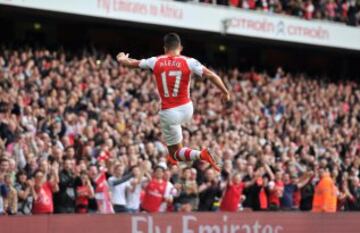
(195, 66)
(148, 63)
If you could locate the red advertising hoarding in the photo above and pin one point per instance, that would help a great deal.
(289, 222)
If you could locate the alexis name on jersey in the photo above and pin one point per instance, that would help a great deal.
(170, 63)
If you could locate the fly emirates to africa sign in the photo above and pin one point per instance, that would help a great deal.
(161, 10)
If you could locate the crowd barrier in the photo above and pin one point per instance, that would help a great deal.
(285, 222)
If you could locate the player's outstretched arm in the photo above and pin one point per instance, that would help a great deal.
(216, 80)
(124, 60)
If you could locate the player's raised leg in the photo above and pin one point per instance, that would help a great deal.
(179, 153)
(173, 136)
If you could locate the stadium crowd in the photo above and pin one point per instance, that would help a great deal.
(78, 134)
(344, 11)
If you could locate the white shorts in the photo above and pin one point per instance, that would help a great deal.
(171, 121)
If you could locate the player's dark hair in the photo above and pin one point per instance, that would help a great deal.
(172, 41)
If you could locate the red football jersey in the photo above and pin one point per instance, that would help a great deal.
(276, 193)
(154, 195)
(43, 204)
(231, 198)
(173, 77)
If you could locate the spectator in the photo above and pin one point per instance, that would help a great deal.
(11, 201)
(307, 192)
(232, 198)
(263, 5)
(118, 187)
(347, 11)
(4, 166)
(84, 192)
(325, 196)
(93, 173)
(290, 187)
(308, 9)
(354, 190)
(134, 188)
(170, 191)
(275, 6)
(234, 3)
(64, 199)
(155, 191)
(23, 189)
(209, 192)
(354, 13)
(256, 193)
(102, 191)
(331, 9)
(344, 9)
(248, 4)
(42, 191)
(276, 190)
(188, 191)
(258, 189)
(3, 194)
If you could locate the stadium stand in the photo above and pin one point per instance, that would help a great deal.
(70, 123)
(342, 11)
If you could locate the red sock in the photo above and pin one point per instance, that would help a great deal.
(186, 154)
